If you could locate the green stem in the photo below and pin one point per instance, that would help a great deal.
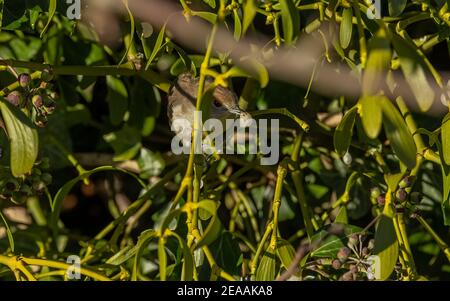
(126, 69)
(281, 174)
(36, 211)
(254, 263)
(283, 111)
(410, 123)
(297, 178)
(441, 243)
(405, 240)
(362, 37)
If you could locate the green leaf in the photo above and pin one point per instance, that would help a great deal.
(211, 3)
(51, 14)
(386, 248)
(392, 180)
(444, 149)
(290, 19)
(342, 216)
(122, 256)
(329, 246)
(132, 32)
(330, 243)
(166, 219)
(400, 137)
(157, 46)
(396, 7)
(210, 17)
(344, 132)
(267, 266)
(249, 10)
(414, 70)
(371, 115)
(150, 163)
(378, 62)
(237, 25)
(285, 252)
(143, 240)
(445, 136)
(446, 193)
(23, 138)
(227, 253)
(185, 59)
(345, 30)
(117, 98)
(188, 264)
(8, 232)
(214, 227)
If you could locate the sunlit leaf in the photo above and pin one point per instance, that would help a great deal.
(342, 216)
(122, 256)
(132, 32)
(378, 62)
(345, 30)
(211, 3)
(386, 248)
(344, 132)
(249, 9)
(329, 245)
(414, 70)
(446, 193)
(214, 227)
(23, 138)
(8, 232)
(371, 115)
(400, 137)
(143, 241)
(157, 47)
(51, 14)
(396, 7)
(188, 259)
(266, 267)
(290, 19)
(237, 25)
(445, 135)
(285, 252)
(210, 17)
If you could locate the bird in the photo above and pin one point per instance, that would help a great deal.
(182, 98)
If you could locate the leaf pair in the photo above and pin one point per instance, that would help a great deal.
(23, 138)
(376, 111)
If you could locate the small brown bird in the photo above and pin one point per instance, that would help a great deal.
(183, 96)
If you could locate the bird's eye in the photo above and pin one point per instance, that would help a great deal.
(217, 103)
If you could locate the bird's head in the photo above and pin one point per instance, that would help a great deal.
(224, 103)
